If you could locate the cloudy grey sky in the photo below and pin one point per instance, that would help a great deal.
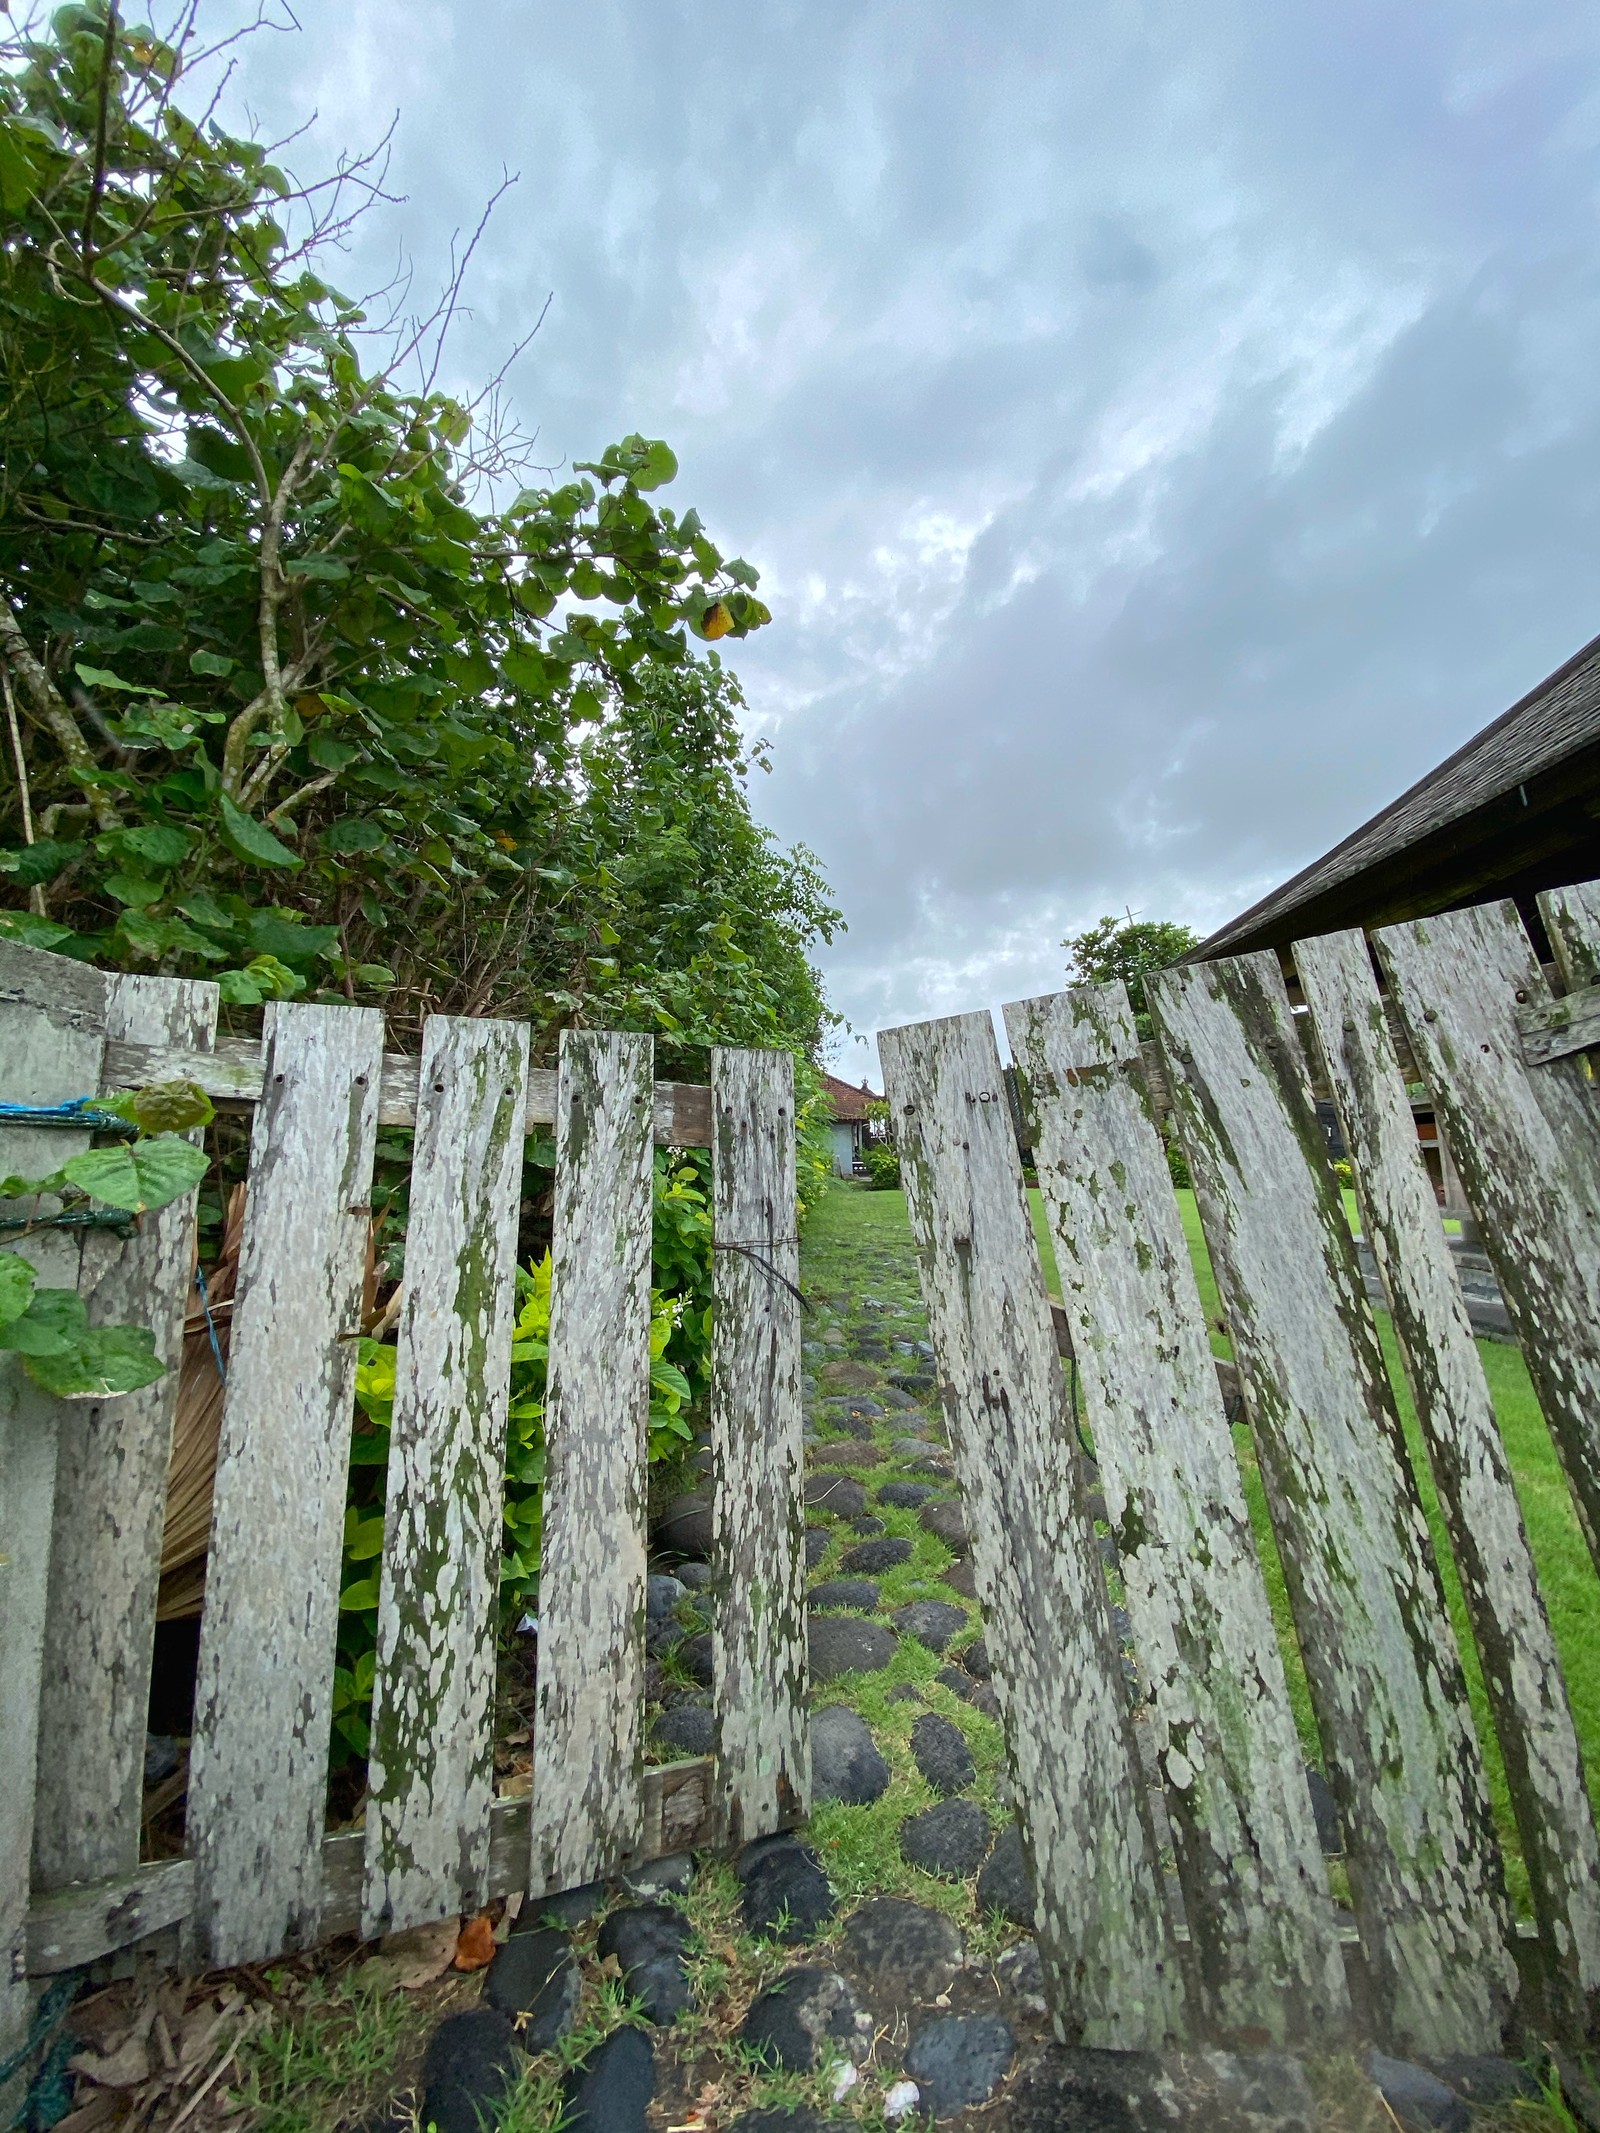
(1165, 427)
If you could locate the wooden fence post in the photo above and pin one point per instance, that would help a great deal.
(1104, 1932)
(52, 1036)
(1266, 1952)
(759, 1638)
(258, 1767)
(430, 1771)
(111, 1494)
(1384, 1673)
(1526, 1140)
(1522, 1674)
(587, 1813)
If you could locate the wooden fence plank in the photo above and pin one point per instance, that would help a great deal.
(1256, 1896)
(1384, 1673)
(1104, 1932)
(1526, 1140)
(430, 1772)
(52, 1034)
(111, 1493)
(759, 1638)
(587, 1748)
(232, 1076)
(1572, 921)
(1522, 1674)
(258, 1766)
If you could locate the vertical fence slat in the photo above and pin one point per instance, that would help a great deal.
(1384, 1673)
(1102, 1922)
(759, 1641)
(263, 1704)
(1522, 1674)
(587, 1810)
(1572, 920)
(1526, 1140)
(111, 1493)
(1266, 1952)
(52, 1036)
(430, 1771)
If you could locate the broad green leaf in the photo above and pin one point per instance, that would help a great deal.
(53, 1324)
(357, 1598)
(32, 932)
(352, 833)
(217, 663)
(100, 678)
(159, 844)
(251, 840)
(326, 567)
(107, 1360)
(32, 865)
(135, 890)
(140, 1176)
(17, 1280)
(165, 1107)
(363, 1537)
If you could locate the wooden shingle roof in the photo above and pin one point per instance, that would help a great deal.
(1514, 811)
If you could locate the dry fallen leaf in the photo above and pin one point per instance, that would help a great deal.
(475, 1947)
(415, 1958)
(124, 2068)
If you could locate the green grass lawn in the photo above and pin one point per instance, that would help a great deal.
(1571, 1590)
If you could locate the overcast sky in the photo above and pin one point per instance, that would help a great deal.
(1164, 430)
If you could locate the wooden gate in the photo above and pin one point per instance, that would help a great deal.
(1249, 1946)
(82, 1485)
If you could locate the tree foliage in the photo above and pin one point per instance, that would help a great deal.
(307, 687)
(1129, 949)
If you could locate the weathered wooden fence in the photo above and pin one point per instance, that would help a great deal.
(82, 1486)
(1249, 1947)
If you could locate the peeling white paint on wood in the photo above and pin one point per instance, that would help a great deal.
(263, 1704)
(1522, 1674)
(587, 1745)
(759, 1637)
(1104, 1932)
(430, 1771)
(1383, 1670)
(52, 1034)
(1526, 1140)
(1260, 1915)
(1572, 921)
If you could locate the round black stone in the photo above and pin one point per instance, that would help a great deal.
(952, 1839)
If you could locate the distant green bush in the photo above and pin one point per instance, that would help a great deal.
(883, 1166)
(1178, 1164)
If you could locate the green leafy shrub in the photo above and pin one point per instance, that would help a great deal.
(882, 1159)
(1178, 1164)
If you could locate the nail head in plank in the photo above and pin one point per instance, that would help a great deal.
(52, 1035)
(1521, 1671)
(759, 1637)
(587, 1748)
(263, 1701)
(1383, 1670)
(1103, 1928)
(111, 1493)
(1526, 1141)
(430, 1770)
(1255, 1891)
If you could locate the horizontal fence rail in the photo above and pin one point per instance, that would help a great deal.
(263, 1872)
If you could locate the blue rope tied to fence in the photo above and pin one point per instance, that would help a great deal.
(82, 1112)
(211, 1325)
(49, 2096)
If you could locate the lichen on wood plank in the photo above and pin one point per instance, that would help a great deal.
(1382, 1666)
(1256, 1897)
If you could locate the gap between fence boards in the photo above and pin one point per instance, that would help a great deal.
(234, 1074)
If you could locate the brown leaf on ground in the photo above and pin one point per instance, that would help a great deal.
(98, 2113)
(414, 1958)
(475, 1946)
(124, 2068)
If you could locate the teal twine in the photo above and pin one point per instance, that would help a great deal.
(49, 2096)
(117, 1219)
(80, 1111)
